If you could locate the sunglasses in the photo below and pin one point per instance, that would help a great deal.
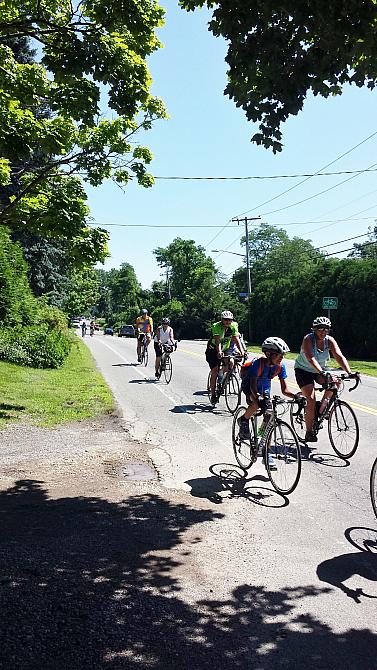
(326, 329)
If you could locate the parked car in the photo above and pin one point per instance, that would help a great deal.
(126, 331)
(75, 324)
(108, 331)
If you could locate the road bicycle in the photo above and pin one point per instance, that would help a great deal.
(373, 486)
(278, 445)
(342, 424)
(227, 384)
(144, 351)
(166, 365)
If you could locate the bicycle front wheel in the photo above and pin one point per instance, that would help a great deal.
(168, 369)
(232, 392)
(145, 355)
(283, 458)
(243, 448)
(343, 429)
(297, 419)
(373, 486)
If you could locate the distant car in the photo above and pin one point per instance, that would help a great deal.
(126, 331)
(108, 331)
(75, 324)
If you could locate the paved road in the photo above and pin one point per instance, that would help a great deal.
(318, 549)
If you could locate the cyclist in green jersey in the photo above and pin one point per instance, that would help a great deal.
(224, 334)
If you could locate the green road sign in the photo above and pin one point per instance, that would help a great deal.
(329, 303)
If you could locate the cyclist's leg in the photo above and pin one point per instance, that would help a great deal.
(158, 352)
(305, 380)
(212, 360)
(252, 407)
(138, 345)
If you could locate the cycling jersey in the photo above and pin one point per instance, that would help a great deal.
(264, 373)
(144, 324)
(166, 336)
(224, 332)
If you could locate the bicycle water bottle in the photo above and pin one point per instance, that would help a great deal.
(262, 432)
(220, 377)
(323, 405)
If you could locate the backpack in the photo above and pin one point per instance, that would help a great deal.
(262, 362)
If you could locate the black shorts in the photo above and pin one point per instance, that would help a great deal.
(211, 358)
(305, 378)
(157, 349)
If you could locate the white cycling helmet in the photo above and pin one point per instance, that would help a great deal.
(226, 314)
(275, 344)
(144, 311)
(321, 322)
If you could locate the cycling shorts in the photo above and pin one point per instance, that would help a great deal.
(305, 378)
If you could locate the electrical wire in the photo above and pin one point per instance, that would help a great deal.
(342, 251)
(275, 176)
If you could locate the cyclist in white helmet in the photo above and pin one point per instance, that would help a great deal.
(256, 377)
(224, 333)
(311, 364)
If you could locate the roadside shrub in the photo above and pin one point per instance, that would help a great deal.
(34, 346)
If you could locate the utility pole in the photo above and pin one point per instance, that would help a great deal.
(248, 271)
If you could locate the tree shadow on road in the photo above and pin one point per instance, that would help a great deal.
(88, 584)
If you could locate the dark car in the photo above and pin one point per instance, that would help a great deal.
(108, 331)
(126, 331)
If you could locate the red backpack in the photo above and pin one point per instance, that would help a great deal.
(262, 362)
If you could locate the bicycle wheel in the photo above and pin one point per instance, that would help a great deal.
(283, 458)
(209, 387)
(243, 449)
(232, 392)
(145, 355)
(373, 486)
(167, 368)
(297, 419)
(343, 429)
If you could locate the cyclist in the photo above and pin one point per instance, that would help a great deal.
(144, 326)
(83, 328)
(310, 366)
(224, 334)
(164, 335)
(256, 376)
(91, 328)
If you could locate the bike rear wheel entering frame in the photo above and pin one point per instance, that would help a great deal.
(232, 392)
(373, 486)
(343, 429)
(282, 446)
(243, 449)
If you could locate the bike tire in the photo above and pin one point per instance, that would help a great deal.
(209, 387)
(168, 369)
(338, 427)
(283, 446)
(243, 449)
(373, 486)
(145, 355)
(297, 419)
(232, 392)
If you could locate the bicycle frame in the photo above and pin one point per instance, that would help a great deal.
(333, 399)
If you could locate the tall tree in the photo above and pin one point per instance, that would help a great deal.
(280, 51)
(368, 250)
(88, 50)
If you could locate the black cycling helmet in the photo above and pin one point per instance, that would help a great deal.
(165, 320)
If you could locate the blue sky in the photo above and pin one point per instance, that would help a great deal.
(207, 136)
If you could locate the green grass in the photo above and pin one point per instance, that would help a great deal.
(365, 367)
(74, 392)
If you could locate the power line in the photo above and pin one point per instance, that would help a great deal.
(342, 251)
(306, 179)
(275, 176)
(341, 241)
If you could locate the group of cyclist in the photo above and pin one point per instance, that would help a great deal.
(256, 374)
(226, 345)
(164, 335)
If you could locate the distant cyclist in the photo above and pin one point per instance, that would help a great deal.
(311, 363)
(144, 326)
(224, 334)
(164, 335)
(83, 328)
(91, 328)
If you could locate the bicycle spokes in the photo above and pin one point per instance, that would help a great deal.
(283, 458)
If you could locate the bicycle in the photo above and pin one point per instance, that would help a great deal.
(279, 446)
(227, 385)
(373, 486)
(166, 365)
(343, 427)
(144, 351)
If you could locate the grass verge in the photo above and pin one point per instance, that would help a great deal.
(365, 367)
(73, 392)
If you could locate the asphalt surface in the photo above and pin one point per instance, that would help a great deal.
(199, 568)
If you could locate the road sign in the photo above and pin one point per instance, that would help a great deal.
(243, 295)
(329, 303)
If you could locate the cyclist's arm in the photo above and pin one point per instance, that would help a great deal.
(308, 351)
(237, 342)
(285, 390)
(218, 346)
(172, 335)
(336, 352)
